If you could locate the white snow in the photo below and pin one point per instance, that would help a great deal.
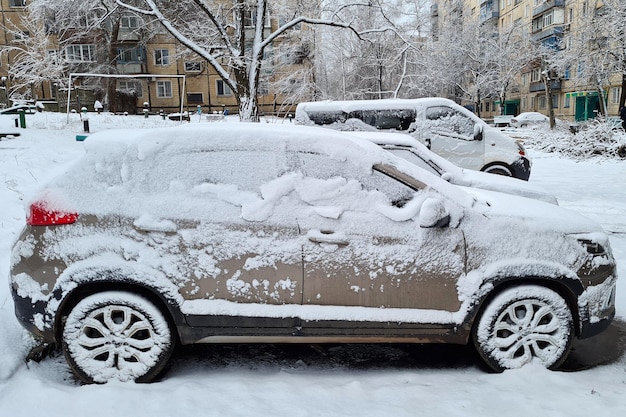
(291, 387)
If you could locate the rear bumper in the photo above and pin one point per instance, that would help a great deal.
(33, 317)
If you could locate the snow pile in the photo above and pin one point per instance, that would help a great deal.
(597, 138)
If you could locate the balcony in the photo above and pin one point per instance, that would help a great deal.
(541, 86)
(551, 32)
(547, 5)
(488, 11)
(131, 68)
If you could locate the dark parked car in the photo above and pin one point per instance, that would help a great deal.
(248, 232)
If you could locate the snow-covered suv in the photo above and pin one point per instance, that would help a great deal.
(248, 232)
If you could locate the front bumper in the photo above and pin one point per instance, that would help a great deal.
(521, 168)
(597, 308)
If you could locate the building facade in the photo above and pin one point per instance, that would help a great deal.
(155, 71)
(550, 23)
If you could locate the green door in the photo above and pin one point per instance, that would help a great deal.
(587, 107)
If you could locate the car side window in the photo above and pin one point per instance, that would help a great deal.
(325, 168)
(408, 155)
(248, 170)
(449, 122)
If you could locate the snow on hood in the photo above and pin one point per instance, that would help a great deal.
(532, 213)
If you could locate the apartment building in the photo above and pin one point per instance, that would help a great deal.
(546, 22)
(154, 72)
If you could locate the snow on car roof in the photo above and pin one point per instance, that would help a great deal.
(263, 136)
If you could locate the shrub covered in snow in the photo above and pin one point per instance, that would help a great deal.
(598, 137)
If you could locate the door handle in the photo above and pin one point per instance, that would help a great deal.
(328, 237)
(151, 224)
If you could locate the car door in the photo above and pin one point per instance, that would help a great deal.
(206, 224)
(364, 247)
(449, 133)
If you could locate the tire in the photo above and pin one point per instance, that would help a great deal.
(498, 169)
(116, 335)
(524, 324)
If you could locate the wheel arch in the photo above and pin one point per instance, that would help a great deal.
(168, 307)
(496, 164)
(567, 288)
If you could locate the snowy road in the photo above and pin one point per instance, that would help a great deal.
(378, 380)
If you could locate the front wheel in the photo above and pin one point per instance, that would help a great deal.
(498, 169)
(116, 335)
(524, 324)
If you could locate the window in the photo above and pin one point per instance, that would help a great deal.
(22, 35)
(223, 89)
(131, 87)
(448, 122)
(567, 73)
(542, 102)
(566, 102)
(128, 55)
(523, 104)
(615, 93)
(547, 19)
(164, 89)
(193, 67)
(195, 98)
(535, 75)
(53, 56)
(249, 17)
(129, 22)
(580, 71)
(555, 101)
(80, 53)
(17, 3)
(161, 57)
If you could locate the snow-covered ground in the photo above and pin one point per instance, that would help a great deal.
(312, 380)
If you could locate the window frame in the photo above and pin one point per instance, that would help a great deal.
(131, 85)
(89, 48)
(162, 87)
(224, 90)
(161, 57)
(189, 64)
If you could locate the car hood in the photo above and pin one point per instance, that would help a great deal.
(531, 213)
(507, 185)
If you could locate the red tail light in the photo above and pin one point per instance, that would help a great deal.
(41, 215)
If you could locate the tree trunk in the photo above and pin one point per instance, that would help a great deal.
(622, 97)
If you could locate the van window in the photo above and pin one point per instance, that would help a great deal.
(327, 117)
(399, 119)
(449, 122)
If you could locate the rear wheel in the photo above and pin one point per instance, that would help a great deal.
(116, 335)
(524, 324)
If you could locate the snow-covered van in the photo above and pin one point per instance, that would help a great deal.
(443, 126)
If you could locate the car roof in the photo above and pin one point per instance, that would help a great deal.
(142, 143)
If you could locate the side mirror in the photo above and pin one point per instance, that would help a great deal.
(478, 132)
(433, 214)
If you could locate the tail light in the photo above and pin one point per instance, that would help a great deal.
(42, 215)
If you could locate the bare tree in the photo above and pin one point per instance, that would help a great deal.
(234, 36)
